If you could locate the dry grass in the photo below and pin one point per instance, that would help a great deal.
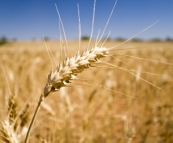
(85, 112)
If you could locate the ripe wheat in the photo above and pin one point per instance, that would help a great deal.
(71, 67)
(13, 129)
(68, 70)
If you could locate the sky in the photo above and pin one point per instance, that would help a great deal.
(35, 19)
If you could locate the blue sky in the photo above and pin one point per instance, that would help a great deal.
(30, 19)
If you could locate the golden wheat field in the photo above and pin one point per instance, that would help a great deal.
(107, 104)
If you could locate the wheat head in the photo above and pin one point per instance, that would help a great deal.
(71, 67)
(67, 71)
(8, 135)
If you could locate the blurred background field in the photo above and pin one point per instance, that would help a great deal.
(89, 113)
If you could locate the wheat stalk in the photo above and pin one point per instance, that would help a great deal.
(68, 71)
(71, 67)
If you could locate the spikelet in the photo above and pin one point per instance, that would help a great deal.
(12, 109)
(23, 116)
(71, 67)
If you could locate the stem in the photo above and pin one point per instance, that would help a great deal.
(34, 116)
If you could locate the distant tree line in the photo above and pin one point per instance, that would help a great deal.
(4, 40)
(151, 40)
(168, 39)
